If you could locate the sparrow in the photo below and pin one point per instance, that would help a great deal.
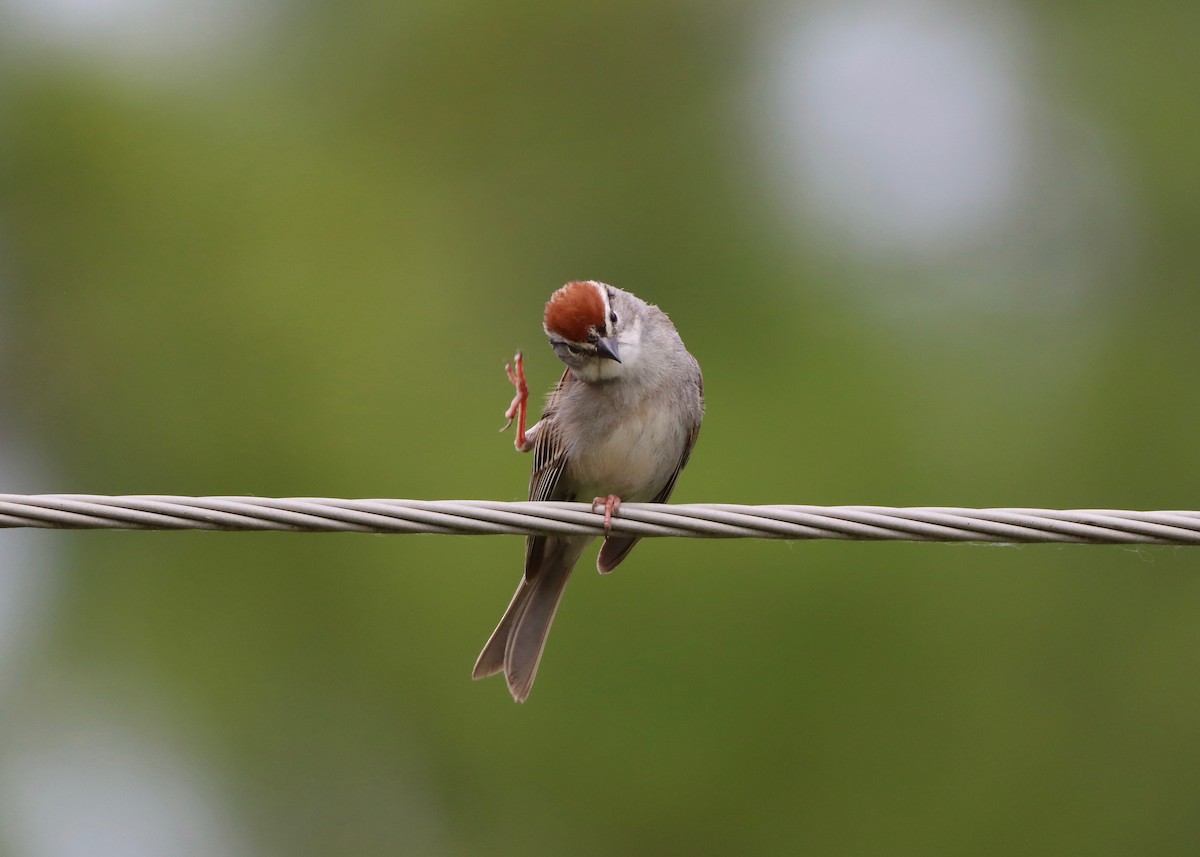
(620, 426)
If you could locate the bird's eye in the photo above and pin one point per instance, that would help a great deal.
(573, 349)
(612, 317)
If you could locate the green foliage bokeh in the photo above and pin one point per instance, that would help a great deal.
(300, 273)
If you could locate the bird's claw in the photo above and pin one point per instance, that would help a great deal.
(516, 409)
(611, 504)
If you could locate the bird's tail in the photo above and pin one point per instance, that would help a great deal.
(516, 645)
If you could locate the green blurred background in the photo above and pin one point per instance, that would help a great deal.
(926, 253)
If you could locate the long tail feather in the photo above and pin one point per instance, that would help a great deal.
(527, 640)
(516, 645)
(491, 659)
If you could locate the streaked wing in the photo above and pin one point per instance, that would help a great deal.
(549, 450)
(549, 461)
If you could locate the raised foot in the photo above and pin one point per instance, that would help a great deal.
(611, 504)
(516, 410)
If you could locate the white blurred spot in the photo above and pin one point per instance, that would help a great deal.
(162, 32)
(29, 566)
(26, 571)
(905, 125)
(79, 786)
(908, 134)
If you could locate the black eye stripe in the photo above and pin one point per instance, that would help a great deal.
(575, 348)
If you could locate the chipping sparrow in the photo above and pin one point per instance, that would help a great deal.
(619, 426)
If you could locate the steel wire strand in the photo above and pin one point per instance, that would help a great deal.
(699, 520)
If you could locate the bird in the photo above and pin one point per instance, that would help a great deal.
(619, 426)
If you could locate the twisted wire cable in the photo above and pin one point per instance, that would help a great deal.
(697, 520)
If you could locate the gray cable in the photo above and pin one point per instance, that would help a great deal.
(707, 520)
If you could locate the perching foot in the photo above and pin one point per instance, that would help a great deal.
(611, 504)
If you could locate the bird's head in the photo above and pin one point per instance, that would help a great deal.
(595, 329)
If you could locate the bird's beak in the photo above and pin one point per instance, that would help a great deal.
(607, 347)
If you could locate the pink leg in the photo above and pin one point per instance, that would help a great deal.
(611, 504)
(517, 408)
